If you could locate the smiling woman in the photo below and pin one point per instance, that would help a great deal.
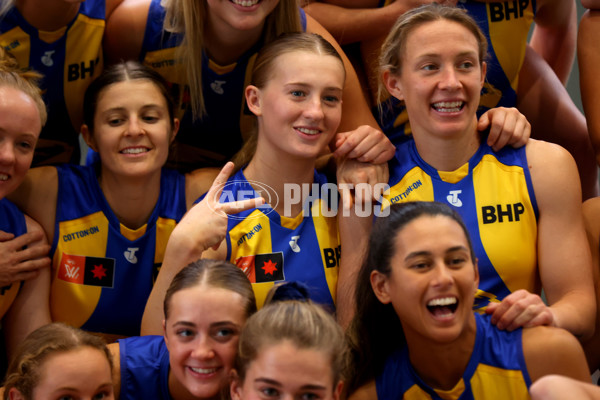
(415, 331)
(109, 223)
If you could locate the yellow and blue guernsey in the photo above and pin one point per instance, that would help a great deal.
(69, 59)
(496, 370)
(494, 195)
(271, 248)
(506, 26)
(103, 272)
(215, 137)
(12, 221)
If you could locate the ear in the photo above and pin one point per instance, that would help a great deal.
(175, 129)
(380, 287)
(483, 72)
(235, 387)
(337, 392)
(14, 394)
(88, 137)
(253, 99)
(392, 84)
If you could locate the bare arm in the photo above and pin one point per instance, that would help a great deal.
(564, 257)
(204, 226)
(557, 387)
(550, 350)
(37, 197)
(588, 53)
(555, 34)
(31, 309)
(591, 213)
(125, 30)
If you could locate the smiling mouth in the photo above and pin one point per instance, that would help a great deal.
(448, 106)
(134, 150)
(204, 371)
(442, 307)
(308, 131)
(4, 177)
(245, 3)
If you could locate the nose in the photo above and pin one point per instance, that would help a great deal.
(135, 127)
(443, 275)
(449, 79)
(203, 349)
(314, 109)
(7, 152)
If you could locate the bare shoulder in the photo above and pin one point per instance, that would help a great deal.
(549, 350)
(125, 29)
(365, 392)
(198, 182)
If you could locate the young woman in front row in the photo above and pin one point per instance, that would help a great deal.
(522, 206)
(415, 333)
(290, 350)
(60, 362)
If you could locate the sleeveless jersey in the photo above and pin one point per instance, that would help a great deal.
(144, 368)
(271, 248)
(506, 26)
(12, 221)
(494, 195)
(103, 272)
(69, 59)
(496, 370)
(218, 135)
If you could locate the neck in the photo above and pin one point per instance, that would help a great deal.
(132, 199)
(47, 15)
(442, 365)
(448, 153)
(276, 171)
(226, 45)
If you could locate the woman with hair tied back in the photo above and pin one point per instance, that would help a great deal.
(57, 361)
(526, 237)
(290, 349)
(415, 334)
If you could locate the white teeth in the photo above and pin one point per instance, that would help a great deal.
(245, 3)
(3, 177)
(203, 370)
(448, 106)
(134, 150)
(307, 131)
(444, 301)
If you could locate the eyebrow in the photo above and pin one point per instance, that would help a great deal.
(146, 106)
(305, 85)
(428, 253)
(461, 54)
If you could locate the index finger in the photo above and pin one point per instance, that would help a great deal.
(217, 186)
(234, 207)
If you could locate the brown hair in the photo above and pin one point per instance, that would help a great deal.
(121, 72)
(219, 274)
(392, 49)
(23, 80)
(24, 371)
(304, 324)
(265, 63)
(189, 17)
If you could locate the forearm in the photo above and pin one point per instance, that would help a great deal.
(576, 312)
(350, 25)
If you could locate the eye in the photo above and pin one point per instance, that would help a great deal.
(456, 261)
(25, 145)
(297, 93)
(184, 333)
(310, 396)
(269, 393)
(333, 100)
(429, 67)
(151, 118)
(65, 398)
(101, 395)
(115, 121)
(420, 265)
(466, 65)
